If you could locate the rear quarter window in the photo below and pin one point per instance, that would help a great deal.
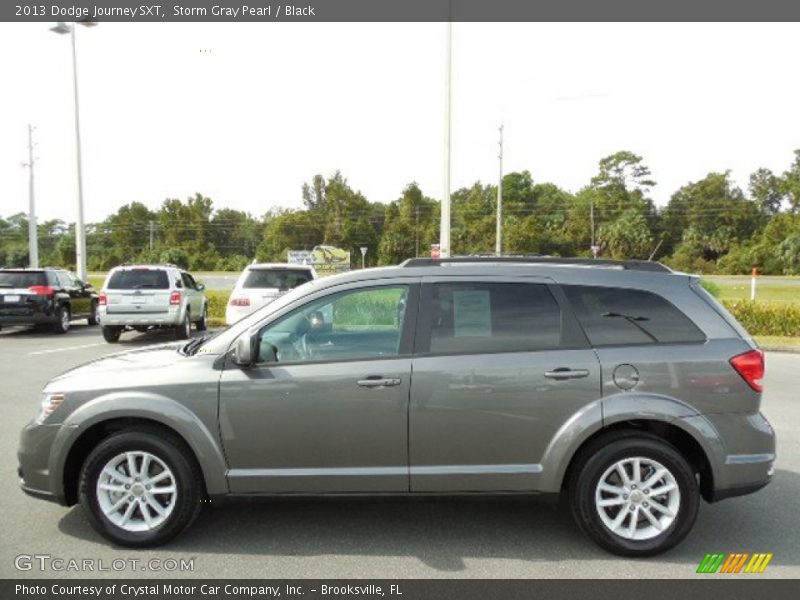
(135, 279)
(623, 316)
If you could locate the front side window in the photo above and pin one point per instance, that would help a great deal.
(621, 316)
(492, 317)
(350, 325)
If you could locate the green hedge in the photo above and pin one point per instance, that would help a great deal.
(217, 300)
(762, 318)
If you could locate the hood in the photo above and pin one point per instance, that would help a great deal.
(121, 368)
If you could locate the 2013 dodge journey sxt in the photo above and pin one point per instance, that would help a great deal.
(621, 385)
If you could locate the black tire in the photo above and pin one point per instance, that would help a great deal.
(62, 319)
(187, 476)
(600, 456)
(92, 318)
(111, 334)
(202, 324)
(184, 330)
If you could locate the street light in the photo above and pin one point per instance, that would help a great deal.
(80, 234)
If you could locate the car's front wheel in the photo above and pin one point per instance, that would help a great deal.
(141, 488)
(634, 494)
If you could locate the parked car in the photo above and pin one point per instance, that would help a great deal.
(146, 297)
(261, 283)
(49, 296)
(530, 376)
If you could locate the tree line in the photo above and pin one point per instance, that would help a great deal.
(710, 225)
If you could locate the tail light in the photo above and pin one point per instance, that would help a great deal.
(42, 290)
(175, 298)
(239, 302)
(102, 299)
(750, 366)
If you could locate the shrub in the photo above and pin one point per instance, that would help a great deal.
(767, 318)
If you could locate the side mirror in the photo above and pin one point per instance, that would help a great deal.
(200, 287)
(243, 351)
(87, 286)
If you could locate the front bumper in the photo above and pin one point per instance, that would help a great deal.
(33, 455)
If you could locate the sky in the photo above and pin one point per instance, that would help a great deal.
(246, 112)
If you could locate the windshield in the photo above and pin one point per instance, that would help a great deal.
(134, 279)
(22, 279)
(276, 278)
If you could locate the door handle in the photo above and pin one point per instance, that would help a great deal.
(565, 373)
(378, 381)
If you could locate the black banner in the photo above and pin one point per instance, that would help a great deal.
(410, 589)
(403, 10)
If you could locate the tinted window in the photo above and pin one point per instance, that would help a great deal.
(22, 279)
(355, 324)
(188, 281)
(134, 279)
(282, 279)
(493, 317)
(613, 316)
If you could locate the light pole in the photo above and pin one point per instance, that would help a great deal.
(444, 228)
(80, 233)
(33, 238)
(363, 255)
(498, 245)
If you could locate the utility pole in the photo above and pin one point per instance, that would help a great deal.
(33, 238)
(152, 226)
(595, 249)
(444, 234)
(416, 231)
(498, 244)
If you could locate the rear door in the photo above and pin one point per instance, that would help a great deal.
(79, 296)
(138, 290)
(500, 365)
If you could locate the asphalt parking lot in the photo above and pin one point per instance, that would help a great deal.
(386, 539)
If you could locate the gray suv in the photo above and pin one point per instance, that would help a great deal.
(622, 386)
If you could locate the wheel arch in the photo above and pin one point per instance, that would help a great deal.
(82, 433)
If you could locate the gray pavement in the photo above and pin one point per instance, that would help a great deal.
(371, 538)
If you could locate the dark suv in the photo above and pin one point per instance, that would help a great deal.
(622, 386)
(48, 296)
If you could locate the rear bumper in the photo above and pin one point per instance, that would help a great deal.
(35, 319)
(162, 319)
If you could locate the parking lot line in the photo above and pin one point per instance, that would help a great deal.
(65, 349)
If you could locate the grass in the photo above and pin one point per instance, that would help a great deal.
(776, 341)
(783, 294)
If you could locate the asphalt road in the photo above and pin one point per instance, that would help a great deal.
(386, 539)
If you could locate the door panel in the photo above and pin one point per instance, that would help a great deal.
(482, 422)
(313, 428)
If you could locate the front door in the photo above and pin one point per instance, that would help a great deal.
(325, 409)
(499, 368)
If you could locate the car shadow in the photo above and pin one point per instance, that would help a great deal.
(444, 533)
(80, 332)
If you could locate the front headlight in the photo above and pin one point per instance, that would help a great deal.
(50, 402)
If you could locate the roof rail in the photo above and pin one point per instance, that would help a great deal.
(630, 265)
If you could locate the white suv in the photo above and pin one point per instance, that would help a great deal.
(261, 283)
(144, 297)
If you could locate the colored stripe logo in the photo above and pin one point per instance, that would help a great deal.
(735, 562)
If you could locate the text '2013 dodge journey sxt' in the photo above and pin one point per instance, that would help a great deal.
(623, 386)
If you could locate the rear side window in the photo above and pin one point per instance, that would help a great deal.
(492, 317)
(136, 279)
(22, 279)
(276, 278)
(620, 316)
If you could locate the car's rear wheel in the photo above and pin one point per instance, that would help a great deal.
(92, 318)
(202, 324)
(184, 330)
(141, 488)
(111, 334)
(635, 495)
(62, 320)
